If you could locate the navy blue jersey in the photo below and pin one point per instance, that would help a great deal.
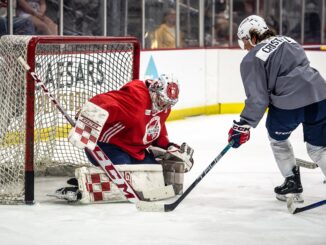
(278, 72)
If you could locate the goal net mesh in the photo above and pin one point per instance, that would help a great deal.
(73, 71)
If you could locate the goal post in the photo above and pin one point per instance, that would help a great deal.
(33, 133)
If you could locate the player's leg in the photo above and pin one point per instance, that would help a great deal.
(116, 155)
(53, 27)
(280, 124)
(83, 176)
(318, 155)
(40, 26)
(91, 185)
(148, 159)
(314, 129)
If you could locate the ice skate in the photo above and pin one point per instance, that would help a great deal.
(70, 194)
(291, 187)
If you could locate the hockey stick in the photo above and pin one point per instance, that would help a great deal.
(97, 153)
(306, 164)
(159, 207)
(294, 210)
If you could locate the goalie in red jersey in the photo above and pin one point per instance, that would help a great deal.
(130, 129)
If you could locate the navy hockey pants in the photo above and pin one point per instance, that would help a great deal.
(118, 156)
(280, 123)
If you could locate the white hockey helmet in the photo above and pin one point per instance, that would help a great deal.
(252, 22)
(164, 92)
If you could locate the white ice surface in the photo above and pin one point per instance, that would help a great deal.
(233, 204)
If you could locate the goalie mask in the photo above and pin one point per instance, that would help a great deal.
(253, 22)
(164, 92)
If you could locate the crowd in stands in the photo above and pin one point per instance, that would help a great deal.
(124, 18)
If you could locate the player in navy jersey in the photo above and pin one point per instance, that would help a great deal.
(277, 75)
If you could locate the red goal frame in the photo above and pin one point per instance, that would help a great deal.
(30, 92)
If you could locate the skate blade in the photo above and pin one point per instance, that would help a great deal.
(297, 197)
(69, 198)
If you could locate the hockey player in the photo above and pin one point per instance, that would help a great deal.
(131, 120)
(276, 75)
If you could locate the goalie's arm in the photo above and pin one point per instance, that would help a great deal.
(163, 140)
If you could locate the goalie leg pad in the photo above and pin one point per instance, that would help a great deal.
(173, 172)
(96, 187)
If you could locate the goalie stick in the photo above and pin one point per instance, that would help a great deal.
(159, 207)
(96, 153)
(294, 210)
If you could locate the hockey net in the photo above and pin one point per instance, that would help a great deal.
(33, 133)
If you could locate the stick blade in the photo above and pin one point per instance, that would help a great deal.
(165, 192)
(306, 164)
(290, 205)
(150, 206)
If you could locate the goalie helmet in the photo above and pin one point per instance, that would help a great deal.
(164, 92)
(252, 22)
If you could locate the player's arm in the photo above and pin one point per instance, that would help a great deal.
(26, 7)
(255, 83)
(256, 88)
(42, 7)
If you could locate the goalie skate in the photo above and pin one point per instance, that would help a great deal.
(92, 185)
(70, 194)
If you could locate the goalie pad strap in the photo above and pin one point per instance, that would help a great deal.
(171, 178)
(173, 174)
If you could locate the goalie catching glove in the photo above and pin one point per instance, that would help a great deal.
(239, 133)
(183, 153)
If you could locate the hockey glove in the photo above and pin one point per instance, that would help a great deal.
(91, 120)
(239, 133)
(184, 152)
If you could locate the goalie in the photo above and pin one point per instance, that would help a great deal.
(129, 126)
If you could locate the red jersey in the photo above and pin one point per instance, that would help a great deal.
(131, 125)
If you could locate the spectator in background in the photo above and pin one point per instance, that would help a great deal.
(312, 22)
(222, 24)
(21, 26)
(35, 11)
(165, 35)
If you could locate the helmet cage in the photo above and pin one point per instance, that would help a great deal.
(164, 93)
